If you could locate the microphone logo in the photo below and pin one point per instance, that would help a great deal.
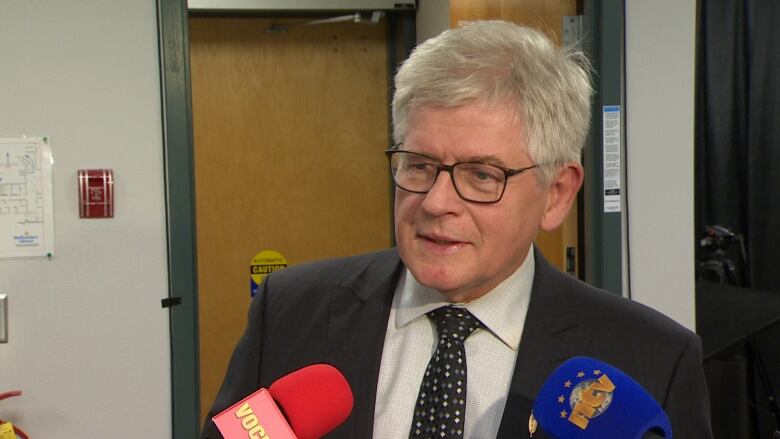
(586, 396)
(590, 398)
(580, 400)
(250, 422)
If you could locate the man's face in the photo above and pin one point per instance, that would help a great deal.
(460, 248)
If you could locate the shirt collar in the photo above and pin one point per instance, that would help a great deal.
(502, 310)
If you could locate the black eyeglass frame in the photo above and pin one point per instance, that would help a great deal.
(508, 172)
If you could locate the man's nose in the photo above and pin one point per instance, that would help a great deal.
(443, 198)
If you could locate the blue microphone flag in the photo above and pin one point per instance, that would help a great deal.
(585, 398)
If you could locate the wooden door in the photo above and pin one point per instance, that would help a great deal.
(547, 16)
(290, 126)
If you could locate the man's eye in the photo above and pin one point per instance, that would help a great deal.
(417, 166)
(480, 175)
(484, 175)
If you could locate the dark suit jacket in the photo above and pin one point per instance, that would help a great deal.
(336, 312)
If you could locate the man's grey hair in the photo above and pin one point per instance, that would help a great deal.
(499, 63)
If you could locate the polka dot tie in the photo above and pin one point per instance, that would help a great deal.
(441, 404)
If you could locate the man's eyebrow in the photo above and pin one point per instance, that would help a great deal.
(489, 159)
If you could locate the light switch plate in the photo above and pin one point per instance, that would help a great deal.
(3, 318)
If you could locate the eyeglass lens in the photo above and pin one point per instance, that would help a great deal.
(479, 182)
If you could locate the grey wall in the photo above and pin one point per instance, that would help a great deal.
(660, 56)
(89, 342)
(433, 17)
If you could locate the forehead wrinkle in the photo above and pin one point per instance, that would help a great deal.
(489, 159)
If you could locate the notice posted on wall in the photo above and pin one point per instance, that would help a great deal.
(26, 215)
(611, 157)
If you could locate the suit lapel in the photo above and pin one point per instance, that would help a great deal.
(358, 317)
(359, 310)
(550, 335)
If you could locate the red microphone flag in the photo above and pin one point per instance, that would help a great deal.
(314, 400)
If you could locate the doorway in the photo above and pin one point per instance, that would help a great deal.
(290, 121)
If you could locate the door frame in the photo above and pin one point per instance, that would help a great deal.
(178, 150)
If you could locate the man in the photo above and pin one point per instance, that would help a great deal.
(489, 119)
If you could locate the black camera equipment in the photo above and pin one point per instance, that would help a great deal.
(723, 257)
(723, 261)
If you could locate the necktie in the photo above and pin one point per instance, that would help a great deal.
(441, 404)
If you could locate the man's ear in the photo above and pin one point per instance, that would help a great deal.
(561, 195)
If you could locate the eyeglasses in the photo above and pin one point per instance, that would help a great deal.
(473, 181)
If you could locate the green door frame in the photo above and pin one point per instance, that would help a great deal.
(172, 16)
(180, 200)
(601, 232)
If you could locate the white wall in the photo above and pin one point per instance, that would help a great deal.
(660, 57)
(89, 342)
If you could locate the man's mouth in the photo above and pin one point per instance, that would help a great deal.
(440, 240)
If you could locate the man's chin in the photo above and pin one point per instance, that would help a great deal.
(457, 285)
(443, 280)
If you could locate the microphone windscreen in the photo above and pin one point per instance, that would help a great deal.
(315, 399)
(585, 398)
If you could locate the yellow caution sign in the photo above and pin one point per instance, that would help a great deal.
(7, 431)
(263, 264)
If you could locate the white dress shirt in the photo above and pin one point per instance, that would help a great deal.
(490, 353)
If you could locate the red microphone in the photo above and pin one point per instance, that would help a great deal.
(305, 404)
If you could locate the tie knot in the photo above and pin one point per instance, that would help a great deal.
(453, 323)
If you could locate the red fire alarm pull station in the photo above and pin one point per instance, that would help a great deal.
(96, 193)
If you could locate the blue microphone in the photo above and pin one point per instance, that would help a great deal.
(585, 398)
